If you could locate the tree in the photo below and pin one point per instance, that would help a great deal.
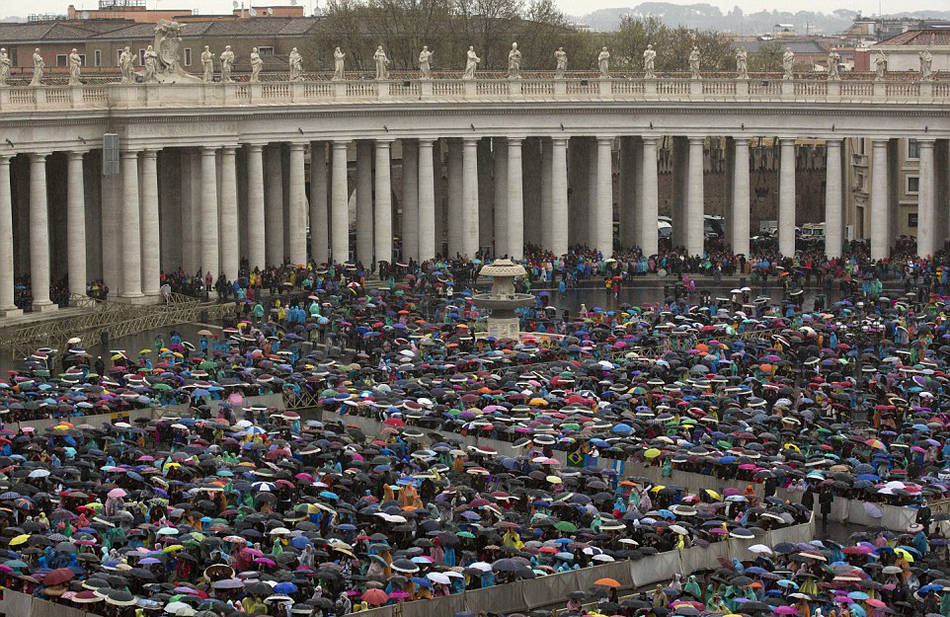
(672, 46)
(767, 58)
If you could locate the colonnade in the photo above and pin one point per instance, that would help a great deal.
(224, 202)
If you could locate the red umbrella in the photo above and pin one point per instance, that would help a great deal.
(58, 577)
(375, 597)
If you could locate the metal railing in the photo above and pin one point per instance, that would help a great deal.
(117, 318)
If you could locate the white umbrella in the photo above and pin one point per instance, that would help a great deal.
(760, 549)
(438, 577)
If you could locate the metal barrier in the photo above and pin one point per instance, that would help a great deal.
(118, 318)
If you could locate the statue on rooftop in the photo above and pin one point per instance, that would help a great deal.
(649, 62)
(560, 56)
(5, 65)
(167, 45)
(694, 63)
(38, 66)
(126, 66)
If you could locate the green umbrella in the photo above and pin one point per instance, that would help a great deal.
(565, 526)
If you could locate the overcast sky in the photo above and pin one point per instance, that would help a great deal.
(572, 7)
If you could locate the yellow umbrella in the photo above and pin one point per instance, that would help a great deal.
(172, 548)
(652, 453)
(143, 352)
(905, 554)
(20, 539)
(714, 494)
(657, 488)
(538, 402)
(554, 480)
(791, 446)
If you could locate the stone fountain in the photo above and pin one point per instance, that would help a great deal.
(502, 299)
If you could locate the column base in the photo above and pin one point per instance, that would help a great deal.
(47, 307)
(139, 299)
(10, 312)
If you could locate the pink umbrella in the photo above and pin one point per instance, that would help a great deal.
(116, 493)
(785, 610)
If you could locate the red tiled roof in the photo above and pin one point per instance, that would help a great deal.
(931, 37)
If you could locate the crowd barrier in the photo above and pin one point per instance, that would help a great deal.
(16, 604)
(530, 594)
(895, 518)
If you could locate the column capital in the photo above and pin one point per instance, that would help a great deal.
(605, 138)
(230, 150)
(834, 141)
(560, 139)
(208, 150)
(741, 141)
(650, 139)
(879, 142)
(925, 142)
(38, 156)
(5, 158)
(694, 139)
(384, 141)
(785, 141)
(515, 141)
(424, 142)
(129, 154)
(254, 147)
(471, 140)
(298, 145)
(341, 144)
(150, 153)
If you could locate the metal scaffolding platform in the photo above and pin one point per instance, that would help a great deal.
(118, 319)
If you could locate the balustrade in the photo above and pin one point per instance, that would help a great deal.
(578, 85)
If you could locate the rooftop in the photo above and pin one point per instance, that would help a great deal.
(933, 36)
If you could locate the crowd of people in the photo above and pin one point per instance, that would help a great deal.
(231, 509)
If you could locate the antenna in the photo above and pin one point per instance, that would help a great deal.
(270, 10)
(234, 4)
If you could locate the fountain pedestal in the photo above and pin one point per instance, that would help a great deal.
(502, 299)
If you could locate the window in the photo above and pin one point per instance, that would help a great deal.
(97, 57)
(265, 51)
(61, 60)
(188, 56)
(142, 57)
(913, 185)
(913, 149)
(912, 220)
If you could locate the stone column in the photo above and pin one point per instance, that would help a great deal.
(151, 232)
(383, 219)
(256, 251)
(786, 197)
(879, 199)
(339, 216)
(209, 213)
(274, 206)
(454, 214)
(603, 219)
(680, 179)
(559, 228)
(298, 206)
(531, 190)
(364, 202)
(580, 196)
(130, 236)
(230, 243)
(500, 172)
(39, 234)
(547, 154)
(75, 223)
(427, 247)
(926, 201)
(7, 306)
(834, 198)
(319, 216)
(695, 198)
(515, 206)
(410, 200)
(647, 233)
(741, 195)
(188, 168)
(486, 188)
(469, 216)
(628, 196)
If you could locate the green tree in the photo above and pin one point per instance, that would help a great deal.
(767, 58)
(672, 46)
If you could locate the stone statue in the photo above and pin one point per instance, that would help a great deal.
(151, 65)
(425, 58)
(694, 63)
(4, 66)
(126, 65)
(834, 59)
(167, 45)
(471, 61)
(207, 65)
(75, 67)
(338, 57)
(256, 65)
(788, 64)
(880, 66)
(603, 59)
(560, 56)
(926, 64)
(227, 63)
(514, 62)
(295, 64)
(649, 60)
(382, 63)
(742, 63)
(38, 66)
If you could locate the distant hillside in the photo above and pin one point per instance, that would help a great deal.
(707, 17)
